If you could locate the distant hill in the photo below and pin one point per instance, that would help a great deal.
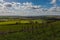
(48, 17)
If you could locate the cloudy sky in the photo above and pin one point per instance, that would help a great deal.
(29, 7)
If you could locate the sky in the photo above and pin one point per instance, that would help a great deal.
(44, 3)
(29, 7)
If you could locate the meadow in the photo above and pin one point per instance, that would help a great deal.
(30, 30)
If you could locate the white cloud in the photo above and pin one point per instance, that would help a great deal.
(27, 9)
(53, 2)
(1, 1)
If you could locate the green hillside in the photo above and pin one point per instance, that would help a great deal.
(33, 30)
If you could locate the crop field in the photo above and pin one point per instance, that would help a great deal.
(30, 30)
(19, 21)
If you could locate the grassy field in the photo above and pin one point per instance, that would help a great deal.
(29, 30)
(19, 21)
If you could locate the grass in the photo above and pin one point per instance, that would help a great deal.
(19, 21)
(29, 31)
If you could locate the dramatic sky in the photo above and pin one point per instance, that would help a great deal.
(29, 7)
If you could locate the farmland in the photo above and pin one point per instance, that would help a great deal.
(29, 29)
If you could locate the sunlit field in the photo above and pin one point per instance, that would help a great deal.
(38, 29)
